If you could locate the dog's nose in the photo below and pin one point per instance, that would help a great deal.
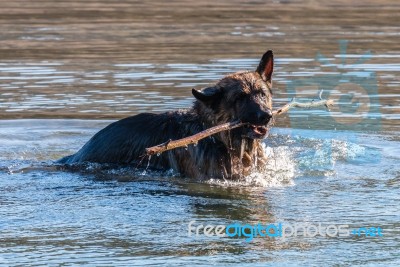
(264, 116)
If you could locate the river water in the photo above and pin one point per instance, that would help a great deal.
(69, 68)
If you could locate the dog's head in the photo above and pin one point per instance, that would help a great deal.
(244, 96)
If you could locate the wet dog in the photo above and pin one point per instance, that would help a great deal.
(244, 96)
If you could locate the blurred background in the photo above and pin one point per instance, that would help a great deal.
(110, 59)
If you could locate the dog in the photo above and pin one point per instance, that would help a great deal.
(244, 96)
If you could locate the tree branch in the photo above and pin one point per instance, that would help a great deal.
(193, 139)
(293, 104)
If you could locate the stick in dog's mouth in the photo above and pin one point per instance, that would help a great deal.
(232, 125)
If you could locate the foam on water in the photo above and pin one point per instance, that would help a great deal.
(290, 154)
(280, 171)
(336, 175)
(300, 154)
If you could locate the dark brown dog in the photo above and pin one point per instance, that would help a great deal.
(244, 96)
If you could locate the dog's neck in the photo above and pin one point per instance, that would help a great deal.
(243, 151)
(232, 139)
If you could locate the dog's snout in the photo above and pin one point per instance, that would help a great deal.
(263, 116)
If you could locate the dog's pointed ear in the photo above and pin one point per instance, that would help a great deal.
(266, 66)
(207, 95)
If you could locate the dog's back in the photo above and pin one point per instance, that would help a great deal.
(124, 142)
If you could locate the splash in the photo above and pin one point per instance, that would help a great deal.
(291, 153)
(304, 153)
(279, 171)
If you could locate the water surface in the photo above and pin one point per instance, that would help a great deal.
(69, 68)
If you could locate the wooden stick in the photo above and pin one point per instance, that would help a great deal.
(294, 104)
(193, 139)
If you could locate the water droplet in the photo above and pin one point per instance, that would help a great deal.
(148, 164)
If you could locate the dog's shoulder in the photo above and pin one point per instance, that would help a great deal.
(125, 140)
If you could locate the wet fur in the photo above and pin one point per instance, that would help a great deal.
(230, 155)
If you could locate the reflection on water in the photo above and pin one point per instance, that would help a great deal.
(120, 216)
(110, 59)
(117, 90)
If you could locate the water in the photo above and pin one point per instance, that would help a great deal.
(66, 74)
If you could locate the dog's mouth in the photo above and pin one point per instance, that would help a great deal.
(260, 130)
(257, 131)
